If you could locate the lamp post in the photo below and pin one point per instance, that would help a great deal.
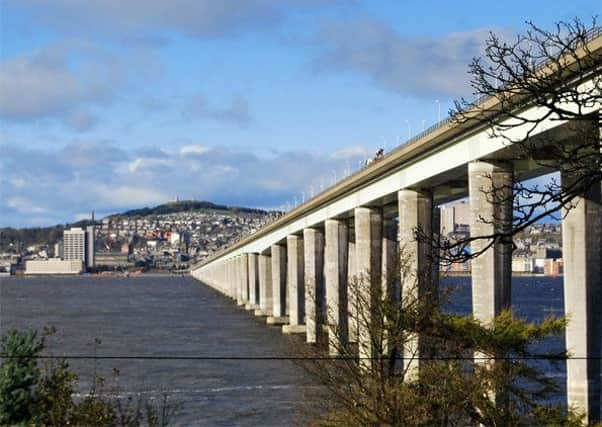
(438, 110)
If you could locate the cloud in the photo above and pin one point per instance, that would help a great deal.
(199, 18)
(193, 149)
(54, 185)
(356, 151)
(57, 82)
(80, 121)
(420, 67)
(237, 111)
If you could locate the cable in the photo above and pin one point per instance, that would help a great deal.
(319, 358)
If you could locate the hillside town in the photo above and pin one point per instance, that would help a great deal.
(171, 241)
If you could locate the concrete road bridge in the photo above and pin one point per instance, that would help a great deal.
(294, 267)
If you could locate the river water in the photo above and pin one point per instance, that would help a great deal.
(177, 316)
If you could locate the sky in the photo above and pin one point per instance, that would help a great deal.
(108, 105)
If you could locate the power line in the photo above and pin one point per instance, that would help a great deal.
(316, 358)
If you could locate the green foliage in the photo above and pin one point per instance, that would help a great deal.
(466, 372)
(45, 397)
(55, 405)
(19, 375)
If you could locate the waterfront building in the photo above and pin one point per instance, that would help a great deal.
(78, 244)
(53, 266)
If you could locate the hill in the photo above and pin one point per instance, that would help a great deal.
(188, 205)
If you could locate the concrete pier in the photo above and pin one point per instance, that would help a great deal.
(352, 300)
(295, 282)
(253, 302)
(582, 254)
(368, 247)
(490, 192)
(335, 271)
(265, 285)
(415, 232)
(388, 259)
(243, 278)
(313, 246)
(279, 273)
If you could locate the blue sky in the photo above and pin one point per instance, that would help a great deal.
(110, 105)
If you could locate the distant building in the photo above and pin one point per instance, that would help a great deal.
(553, 267)
(74, 244)
(522, 264)
(58, 250)
(90, 247)
(78, 244)
(113, 260)
(454, 218)
(54, 266)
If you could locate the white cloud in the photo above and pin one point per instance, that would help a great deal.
(126, 195)
(236, 111)
(24, 205)
(148, 164)
(97, 175)
(193, 149)
(201, 18)
(46, 84)
(409, 66)
(353, 151)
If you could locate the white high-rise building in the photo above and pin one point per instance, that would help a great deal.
(74, 244)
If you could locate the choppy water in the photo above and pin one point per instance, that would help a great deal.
(163, 316)
(177, 316)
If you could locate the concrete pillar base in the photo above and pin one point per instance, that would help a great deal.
(261, 312)
(275, 320)
(250, 307)
(293, 329)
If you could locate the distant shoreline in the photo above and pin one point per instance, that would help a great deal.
(101, 276)
(514, 274)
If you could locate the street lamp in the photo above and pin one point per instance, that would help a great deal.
(409, 129)
(438, 110)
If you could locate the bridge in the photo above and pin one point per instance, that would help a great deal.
(304, 261)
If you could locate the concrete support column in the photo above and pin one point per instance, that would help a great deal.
(238, 281)
(336, 270)
(368, 247)
(253, 301)
(313, 246)
(265, 285)
(436, 256)
(415, 234)
(244, 278)
(232, 279)
(389, 264)
(490, 191)
(352, 287)
(295, 281)
(582, 255)
(278, 284)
